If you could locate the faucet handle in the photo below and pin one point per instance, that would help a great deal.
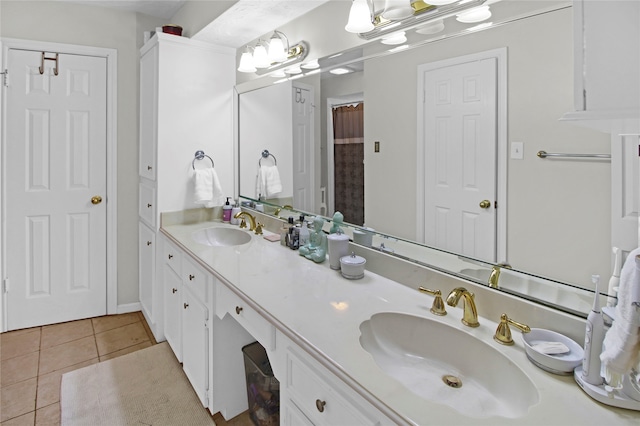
(438, 307)
(503, 332)
(258, 229)
(243, 223)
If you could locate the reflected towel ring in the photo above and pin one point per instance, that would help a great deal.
(267, 154)
(199, 156)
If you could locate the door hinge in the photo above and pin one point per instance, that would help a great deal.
(5, 77)
(5, 285)
(584, 99)
(495, 204)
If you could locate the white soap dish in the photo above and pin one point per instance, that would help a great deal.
(560, 363)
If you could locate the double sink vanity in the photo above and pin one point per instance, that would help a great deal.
(350, 352)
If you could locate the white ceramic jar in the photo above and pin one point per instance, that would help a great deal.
(352, 266)
(338, 246)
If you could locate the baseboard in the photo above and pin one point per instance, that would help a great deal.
(129, 307)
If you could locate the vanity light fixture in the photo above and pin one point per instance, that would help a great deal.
(424, 11)
(397, 9)
(276, 54)
(477, 14)
(360, 17)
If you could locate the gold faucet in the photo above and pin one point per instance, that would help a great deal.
(279, 209)
(243, 224)
(495, 274)
(503, 332)
(470, 314)
(438, 307)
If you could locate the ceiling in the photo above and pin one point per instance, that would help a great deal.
(242, 23)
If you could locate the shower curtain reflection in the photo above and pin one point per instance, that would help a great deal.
(348, 134)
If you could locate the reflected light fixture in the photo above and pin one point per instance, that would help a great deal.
(360, 17)
(477, 14)
(441, 2)
(311, 65)
(395, 38)
(431, 27)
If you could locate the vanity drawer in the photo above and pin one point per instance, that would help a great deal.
(171, 256)
(322, 402)
(228, 302)
(195, 278)
(147, 207)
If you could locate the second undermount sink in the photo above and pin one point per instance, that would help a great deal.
(221, 237)
(445, 365)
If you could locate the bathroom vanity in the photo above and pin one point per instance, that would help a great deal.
(336, 345)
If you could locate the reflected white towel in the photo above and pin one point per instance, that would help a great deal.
(622, 341)
(207, 189)
(268, 181)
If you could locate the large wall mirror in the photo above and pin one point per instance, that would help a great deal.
(549, 217)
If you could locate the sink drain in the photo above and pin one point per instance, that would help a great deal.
(452, 381)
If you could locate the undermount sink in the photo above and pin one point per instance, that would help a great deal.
(221, 237)
(442, 364)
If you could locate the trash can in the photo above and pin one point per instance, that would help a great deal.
(263, 389)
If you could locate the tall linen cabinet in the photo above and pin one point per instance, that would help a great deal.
(186, 98)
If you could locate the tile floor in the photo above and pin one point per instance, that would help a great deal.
(33, 360)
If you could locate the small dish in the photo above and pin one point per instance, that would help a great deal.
(352, 266)
(562, 364)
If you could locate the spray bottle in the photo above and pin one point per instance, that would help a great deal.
(594, 336)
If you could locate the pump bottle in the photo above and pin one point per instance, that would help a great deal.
(594, 336)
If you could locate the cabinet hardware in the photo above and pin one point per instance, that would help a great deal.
(238, 309)
(149, 167)
(186, 305)
(173, 290)
(170, 256)
(148, 243)
(191, 277)
(148, 206)
(320, 405)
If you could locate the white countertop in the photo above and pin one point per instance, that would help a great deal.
(312, 303)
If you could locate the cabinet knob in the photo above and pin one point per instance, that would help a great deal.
(238, 309)
(191, 277)
(320, 405)
(173, 290)
(186, 305)
(148, 243)
(148, 205)
(149, 167)
(170, 256)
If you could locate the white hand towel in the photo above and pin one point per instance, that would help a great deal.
(268, 181)
(622, 341)
(207, 189)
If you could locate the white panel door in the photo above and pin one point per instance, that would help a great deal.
(55, 164)
(460, 140)
(303, 197)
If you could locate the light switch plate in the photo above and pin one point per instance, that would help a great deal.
(517, 150)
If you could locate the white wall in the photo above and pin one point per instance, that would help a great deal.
(558, 211)
(93, 26)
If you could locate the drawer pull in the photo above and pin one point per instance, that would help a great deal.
(238, 309)
(186, 305)
(173, 290)
(170, 256)
(148, 243)
(149, 167)
(191, 277)
(320, 405)
(148, 205)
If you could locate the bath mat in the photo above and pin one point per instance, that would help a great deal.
(146, 387)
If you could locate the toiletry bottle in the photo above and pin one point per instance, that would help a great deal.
(594, 336)
(294, 237)
(226, 211)
(234, 211)
(304, 234)
(284, 232)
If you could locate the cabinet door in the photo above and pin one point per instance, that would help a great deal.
(292, 416)
(173, 309)
(146, 273)
(147, 206)
(148, 113)
(195, 344)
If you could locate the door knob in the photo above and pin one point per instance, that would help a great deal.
(485, 204)
(96, 199)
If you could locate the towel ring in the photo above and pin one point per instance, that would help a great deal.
(267, 154)
(200, 156)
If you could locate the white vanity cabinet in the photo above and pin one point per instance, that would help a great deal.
(186, 105)
(170, 274)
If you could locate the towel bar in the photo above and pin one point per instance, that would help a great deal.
(200, 156)
(545, 154)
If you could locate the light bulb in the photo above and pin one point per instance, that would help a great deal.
(260, 57)
(276, 49)
(246, 62)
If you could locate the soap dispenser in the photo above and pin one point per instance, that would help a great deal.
(234, 211)
(226, 211)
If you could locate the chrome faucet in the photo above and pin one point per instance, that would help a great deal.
(495, 274)
(243, 224)
(470, 313)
